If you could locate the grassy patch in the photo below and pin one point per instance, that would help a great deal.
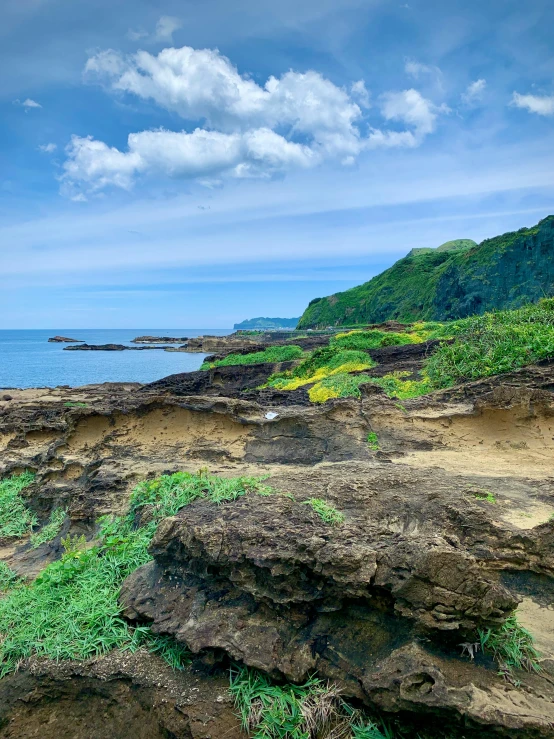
(50, 530)
(373, 441)
(72, 404)
(328, 513)
(8, 577)
(15, 518)
(485, 495)
(396, 386)
(271, 354)
(340, 385)
(314, 709)
(511, 645)
(374, 339)
(328, 370)
(319, 364)
(71, 610)
(494, 343)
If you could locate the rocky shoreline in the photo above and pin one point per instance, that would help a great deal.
(447, 526)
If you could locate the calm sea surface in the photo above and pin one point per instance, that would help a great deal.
(28, 360)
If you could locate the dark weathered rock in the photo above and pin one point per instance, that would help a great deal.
(447, 526)
(379, 604)
(229, 381)
(62, 340)
(117, 696)
(109, 348)
(158, 340)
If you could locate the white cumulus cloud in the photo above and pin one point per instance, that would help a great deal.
(201, 84)
(412, 109)
(474, 92)
(239, 128)
(28, 104)
(200, 154)
(47, 148)
(540, 104)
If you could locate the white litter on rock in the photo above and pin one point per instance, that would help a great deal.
(270, 415)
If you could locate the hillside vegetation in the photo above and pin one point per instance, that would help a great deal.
(467, 349)
(451, 282)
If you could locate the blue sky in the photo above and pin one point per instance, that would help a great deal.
(195, 163)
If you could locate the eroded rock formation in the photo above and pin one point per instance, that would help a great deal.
(447, 527)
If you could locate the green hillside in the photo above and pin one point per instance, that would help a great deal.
(458, 279)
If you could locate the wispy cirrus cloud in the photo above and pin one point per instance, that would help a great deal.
(47, 148)
(163, 33)
(474, 92)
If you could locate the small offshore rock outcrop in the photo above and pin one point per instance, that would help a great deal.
(109, 348)
(62, 340)
(158, 340)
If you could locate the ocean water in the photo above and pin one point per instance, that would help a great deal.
(28, 360)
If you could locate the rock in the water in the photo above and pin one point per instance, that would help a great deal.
(109, 348)
(158, 340)
(62, 340)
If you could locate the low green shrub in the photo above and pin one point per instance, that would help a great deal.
(375, 339)
(271, 354)
(15, 518)
(493, 343)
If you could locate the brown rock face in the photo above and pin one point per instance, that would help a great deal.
(447, 528)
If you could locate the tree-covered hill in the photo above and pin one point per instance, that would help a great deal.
(267, 323)
(456, 280)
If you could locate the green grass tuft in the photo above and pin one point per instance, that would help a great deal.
(373, 441)
(271, 354)
(493, 343)
(71, 610)
(328, 513)
(15, 518)
(313, 710)
(485, 495)
(511, 645)
(8, 578)
(50, 530)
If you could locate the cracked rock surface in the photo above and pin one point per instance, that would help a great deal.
(447, 529)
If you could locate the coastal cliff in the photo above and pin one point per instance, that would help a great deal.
(444, 284)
